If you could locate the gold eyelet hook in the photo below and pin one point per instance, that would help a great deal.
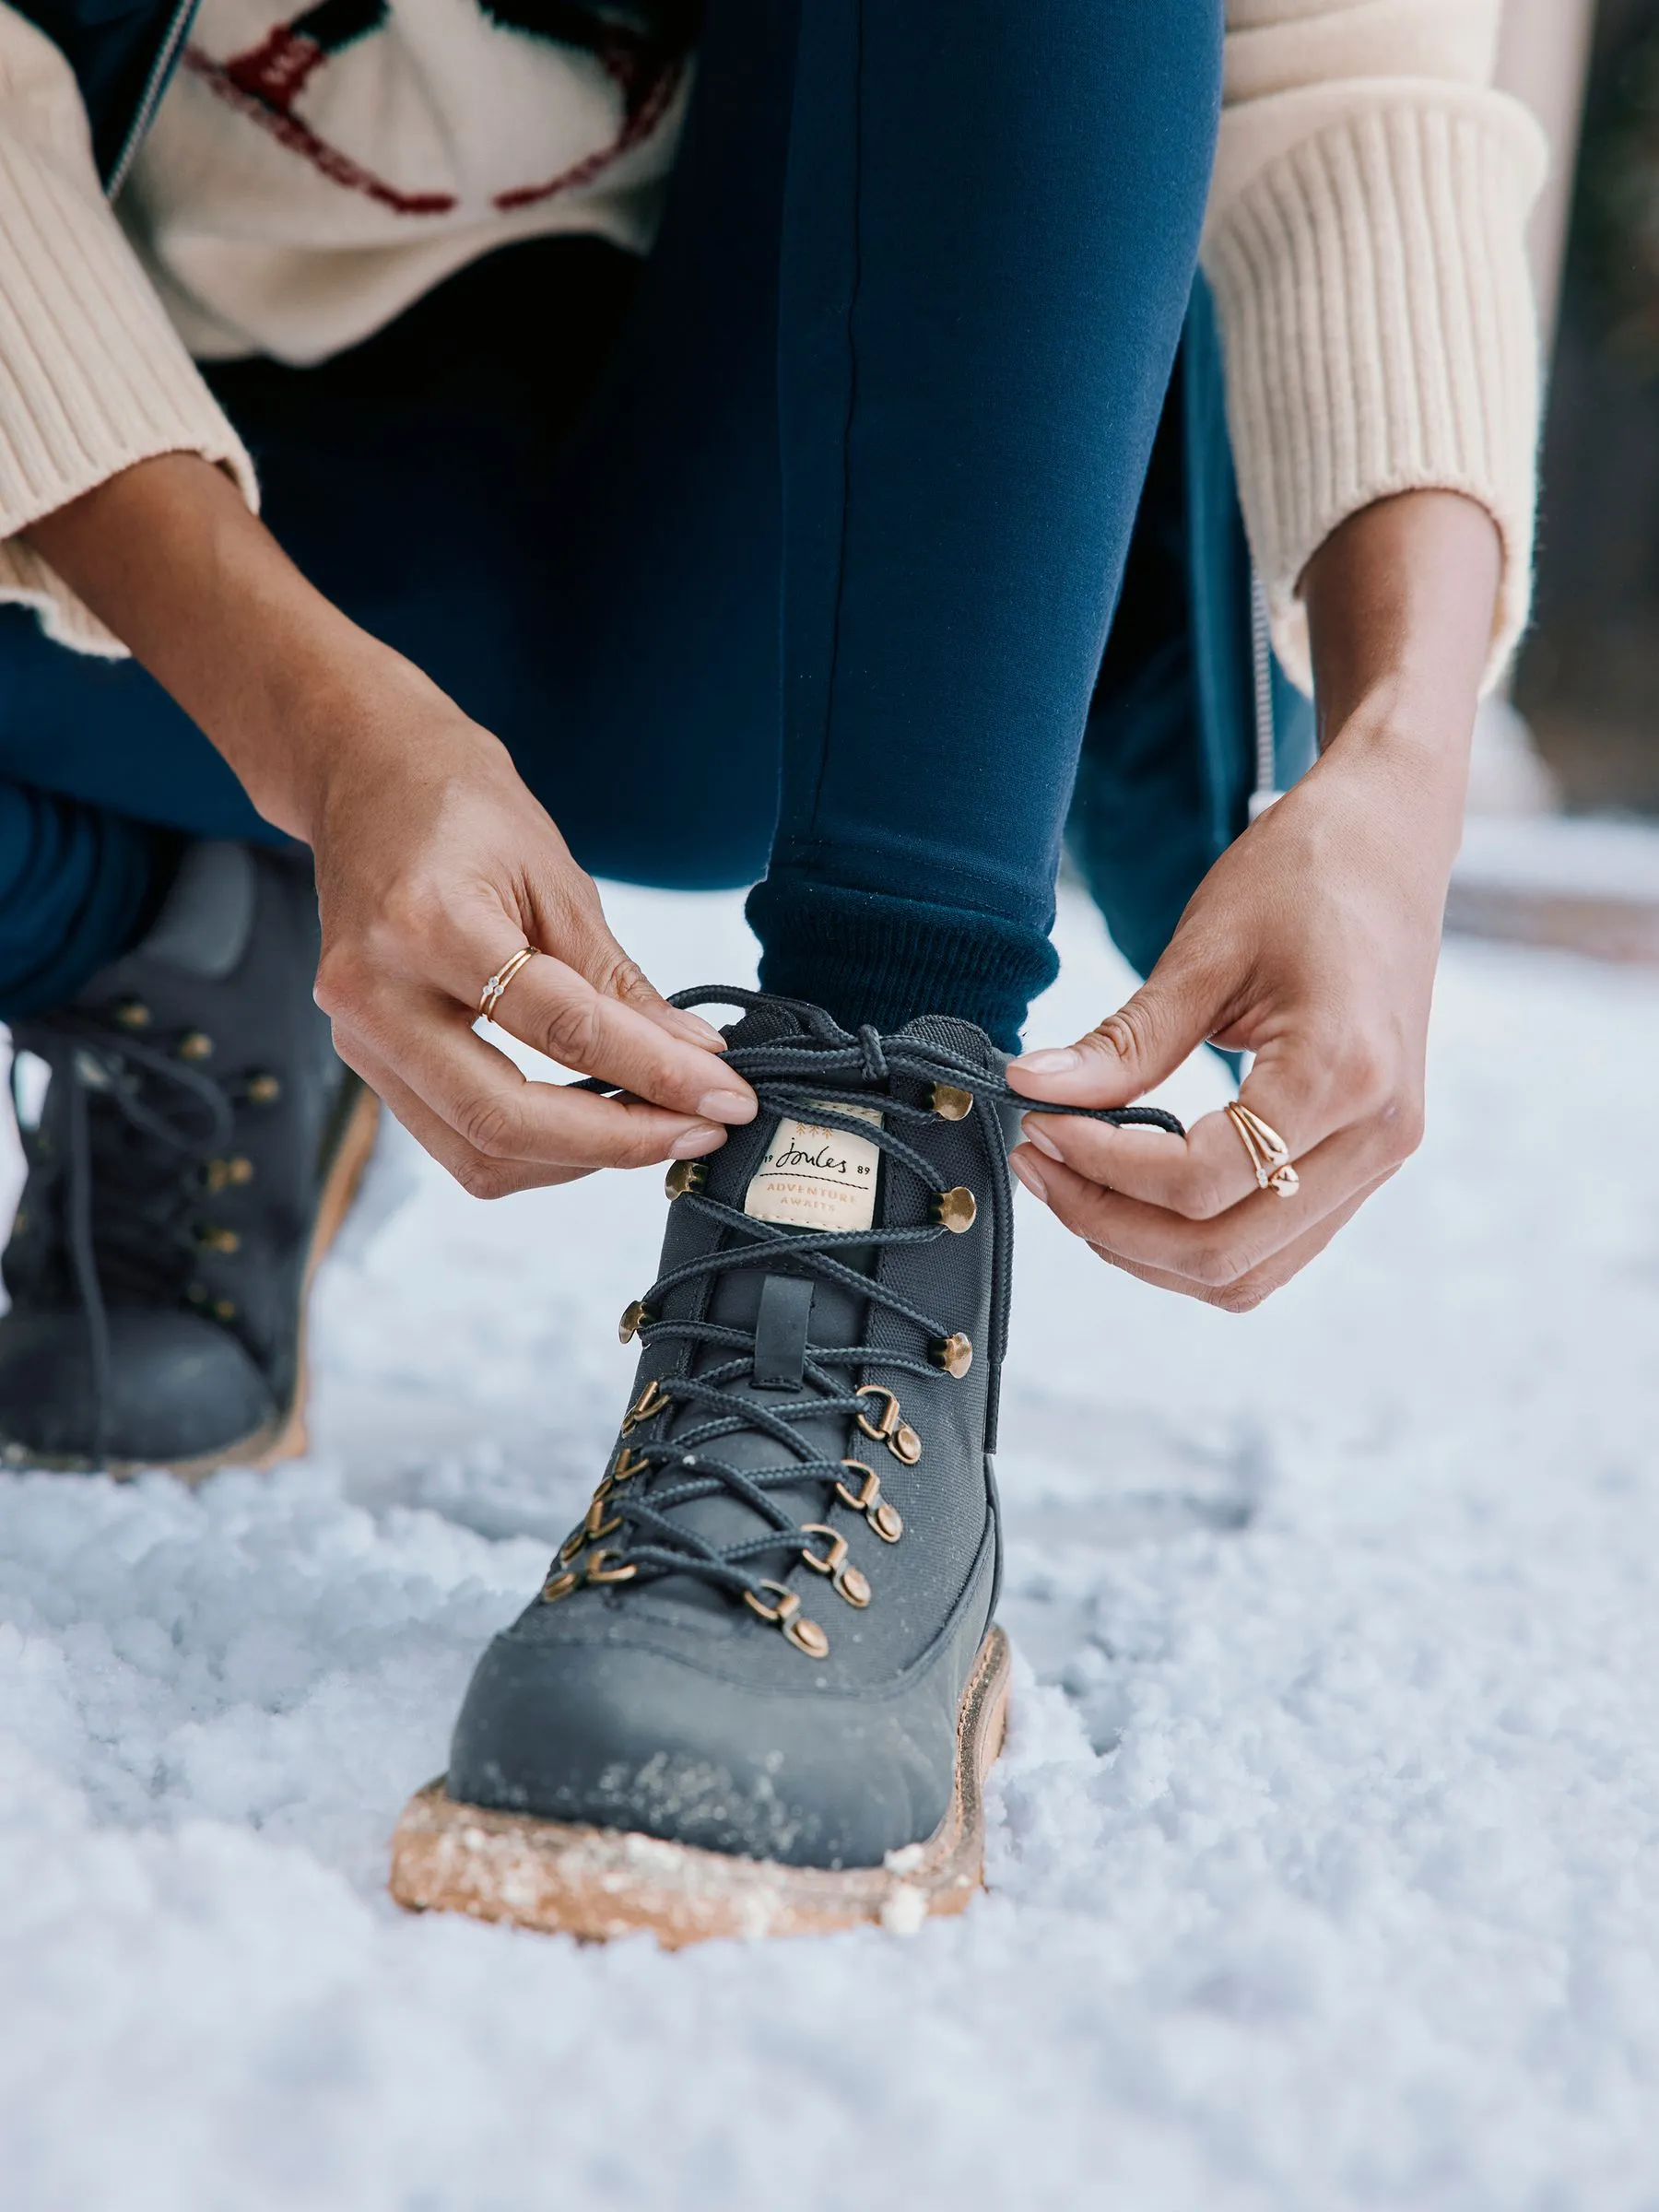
(636, 1314)
(785, 1614)
(596, 1525)
(787, 1606)
(847, 1580)
(885, 1519)
(956, 1210)
(835, 1548)
(646, 1407)
(597, 1572)
(893, 1430)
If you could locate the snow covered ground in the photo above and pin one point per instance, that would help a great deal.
(1325, 1855)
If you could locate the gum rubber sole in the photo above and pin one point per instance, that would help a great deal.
(597, 1883)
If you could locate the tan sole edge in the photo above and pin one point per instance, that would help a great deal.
(285, 1437)
(598, 1883)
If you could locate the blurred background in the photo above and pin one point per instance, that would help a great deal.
(1590, 675)
(1563, 841)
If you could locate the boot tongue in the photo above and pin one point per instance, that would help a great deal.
(768, 1024)
(810, 1176)
(963, 1038)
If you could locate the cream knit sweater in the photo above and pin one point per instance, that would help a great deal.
(1365, 239)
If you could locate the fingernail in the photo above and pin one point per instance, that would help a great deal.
(1026, 1171)
(697, 1030)
(695, 1141)
(726, 1106)
(1055, 1062)
(1039, 1138)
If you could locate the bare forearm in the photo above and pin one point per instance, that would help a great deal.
(169, 557)
(434, 865)
(1400, 605)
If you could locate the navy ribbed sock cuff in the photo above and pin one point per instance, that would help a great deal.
(865, 956)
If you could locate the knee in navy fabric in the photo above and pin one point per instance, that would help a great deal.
(707, 829)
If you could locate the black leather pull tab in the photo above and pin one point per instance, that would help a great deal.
(780, 1331)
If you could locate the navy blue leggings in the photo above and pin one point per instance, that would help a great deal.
(788, 554)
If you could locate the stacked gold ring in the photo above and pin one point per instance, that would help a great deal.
(489, 998)
(1269, 1154)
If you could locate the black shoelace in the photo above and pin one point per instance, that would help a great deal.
(126, 1229)
(792, 1077)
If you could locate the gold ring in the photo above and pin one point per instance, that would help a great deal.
(489, 998)
(1269, 1154)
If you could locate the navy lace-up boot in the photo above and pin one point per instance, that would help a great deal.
(761, 1685)
(197, 1147)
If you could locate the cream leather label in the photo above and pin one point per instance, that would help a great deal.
(814, 1178)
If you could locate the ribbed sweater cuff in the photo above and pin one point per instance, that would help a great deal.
(1380, 337)
(92, 377)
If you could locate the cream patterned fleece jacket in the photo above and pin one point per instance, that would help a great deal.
(1365, 237)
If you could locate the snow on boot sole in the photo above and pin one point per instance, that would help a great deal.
(598, 1883)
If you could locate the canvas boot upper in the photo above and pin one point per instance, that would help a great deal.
(758, 1639)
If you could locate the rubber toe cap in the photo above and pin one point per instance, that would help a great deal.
(624, 1737)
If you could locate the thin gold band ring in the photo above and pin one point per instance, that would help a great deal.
(1269, 1154)
(489, 998)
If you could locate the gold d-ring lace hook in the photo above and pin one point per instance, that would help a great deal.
(846, 1581)
(885, 1519)
(646, 1407)
(786, 1612)
(892, 1429)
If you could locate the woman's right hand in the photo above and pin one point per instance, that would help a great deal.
(434, 863)
(434, 866)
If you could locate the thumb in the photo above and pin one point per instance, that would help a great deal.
(1126, 1056)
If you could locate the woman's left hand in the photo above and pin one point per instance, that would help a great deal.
(1311, 944)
